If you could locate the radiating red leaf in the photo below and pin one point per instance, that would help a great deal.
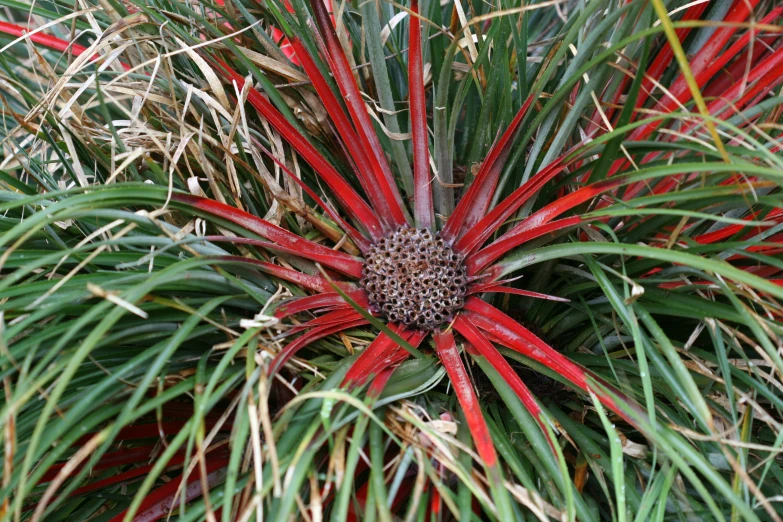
(463, 387)
(478, 341)
(314, 334)
(515, 336)
(762, 78)
(538, 224)
(109, 460)
(340, 315)
(475, 202)
(350, 140)
(730, 230)
(349, 200)
(140, 471)
(704, 66)
(286, 241)
(422, 199)
(515, 237)
(125, 476)
(478, 234)
(665, 56)
(748, 58)
(343, 75)
(379, 382)
(46, 40)
(310, 282)
(146, 431)
(356, 237)
(313, 302)
(350, 267)
(130, 474)
(436, 502)
(715, 59)
(499, 288)
(382, 353)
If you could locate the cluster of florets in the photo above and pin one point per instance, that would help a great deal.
(414, 278)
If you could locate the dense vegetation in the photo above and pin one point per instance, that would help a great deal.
(188, 191)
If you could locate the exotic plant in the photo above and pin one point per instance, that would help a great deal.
(212, 312)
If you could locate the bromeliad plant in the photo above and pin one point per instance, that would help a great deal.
(642, 205)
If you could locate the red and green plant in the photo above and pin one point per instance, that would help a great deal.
(195, 202)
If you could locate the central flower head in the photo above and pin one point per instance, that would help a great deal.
(414, 278)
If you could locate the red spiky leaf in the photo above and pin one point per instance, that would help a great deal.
(343, 75)
(482, 345)
(160, 502)
(422, 200)
(348, 136)
(318, 301)
(478, 234)
(474, 204)
(345, 322)
(349, 200)
(308, 281)
(499, 288)
(381, 353)
(515, 237)
(515, 336)
(463, 388)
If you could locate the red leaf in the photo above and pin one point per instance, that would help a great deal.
(158, 503)
(766, 75)
(364, 168)
(120, 478)
(311, 282)
(495, 287)
(130, 474)
(285, 240)
(125, 476)
(715, 60)
(354, 234)
(436, 502)
(109, 460)
(680, 92)
(475, 202)
(422, 199)
(515, 237)
(51, 42)
(654, 71)
(343, 74)
(329, 319)
(316, 333)
(379, 382)
(347, 265)
(146, 431)
(704, 67)
(312, 302)
(460, 381)
(730, 230)
(515, 336)
(472, 334)
(538, 224)
(349, 200)
(477, 235)
(382, 353)
(664, 58)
